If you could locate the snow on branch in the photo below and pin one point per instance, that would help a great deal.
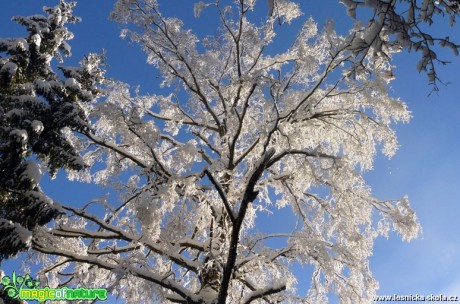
(241, 132)
(259, 294)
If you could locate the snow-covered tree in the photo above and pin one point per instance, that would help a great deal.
(243, 132)
(35, 105)
(409, 24)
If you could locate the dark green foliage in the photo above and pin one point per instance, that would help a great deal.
(35, 106)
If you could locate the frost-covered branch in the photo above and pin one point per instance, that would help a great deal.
(117, 149)
(222, 195)
(287, 152)
(258, 294)
(242, 131)
(142, 273)
(248, 197)
(402, 24)
(117, 233)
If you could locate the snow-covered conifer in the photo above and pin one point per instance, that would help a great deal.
(35, 106)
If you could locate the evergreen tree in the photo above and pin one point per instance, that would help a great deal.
(35, 106)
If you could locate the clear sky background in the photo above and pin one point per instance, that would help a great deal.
(426, 167)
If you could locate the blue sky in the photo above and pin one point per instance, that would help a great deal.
(426, 167)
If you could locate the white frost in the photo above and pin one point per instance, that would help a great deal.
(32, 172)
(36, 39)
(24, 234)
(43, 85)
(20, 135)
(37, 126)
(72, 84)
(10, 68)
(198, 8)
(22, 44)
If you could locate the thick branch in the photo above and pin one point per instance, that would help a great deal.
(249, 196)
(307, 153)
(222, 195)
(184, 121)
(245, 153)
(117, 149)
(255, 295)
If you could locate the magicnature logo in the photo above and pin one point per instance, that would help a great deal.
(26, 288)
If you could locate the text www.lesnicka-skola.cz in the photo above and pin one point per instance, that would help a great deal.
(417, 297)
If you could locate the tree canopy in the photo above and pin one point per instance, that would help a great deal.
(242, 132)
